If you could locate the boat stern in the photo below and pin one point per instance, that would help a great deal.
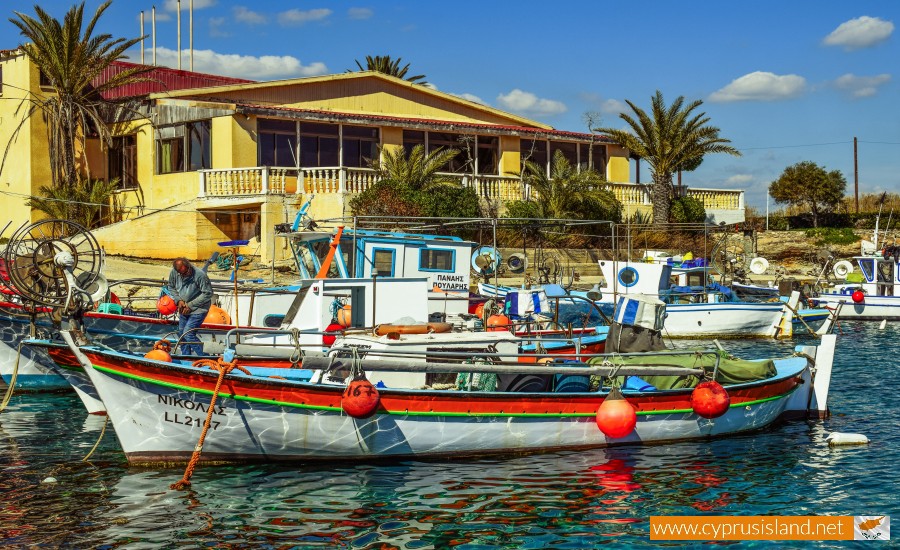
(811, 400)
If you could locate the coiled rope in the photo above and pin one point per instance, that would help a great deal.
(223, 368)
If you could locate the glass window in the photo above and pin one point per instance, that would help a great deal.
(569, 150)
(597, 160)
(488, 154)
(411, 138)
(440, 140)
(123, 161)
(200, 150)
(319, 145)
(183, 147)
(433, 259)
(383, 261)
(277, 142)
(360, 146)
(534, 150)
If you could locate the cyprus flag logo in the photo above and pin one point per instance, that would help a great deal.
(871, 528)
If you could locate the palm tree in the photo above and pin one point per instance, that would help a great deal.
(384, 64)
(71, 57)
(669, 139)
(418, 170)
(568, 193)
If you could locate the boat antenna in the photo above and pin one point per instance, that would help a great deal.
(878, 217)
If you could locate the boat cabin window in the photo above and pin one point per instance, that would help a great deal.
(885, 278)
(696, 279)
(868, 269)
(383, 261)
(435, 259)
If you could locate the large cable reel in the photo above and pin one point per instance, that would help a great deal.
(52, 262)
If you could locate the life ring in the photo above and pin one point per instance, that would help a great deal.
(382, 330)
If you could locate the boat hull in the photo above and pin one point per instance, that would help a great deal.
(872, 308)
(725, 319)
(35, 371)
(158, 412)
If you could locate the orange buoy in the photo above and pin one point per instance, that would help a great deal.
(332, 332)
(710, 400)
(615, 416)
(166, 305)
(858, 296)
(160, 351)
(498, 323)
(360, 399)
(479, 311)
(343, 316)
(217, 316)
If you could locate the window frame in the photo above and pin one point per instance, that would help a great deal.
(452, 252)
(119, 147)
(393, 252)
(183, 132)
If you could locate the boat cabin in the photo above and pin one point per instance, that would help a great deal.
(881, 276)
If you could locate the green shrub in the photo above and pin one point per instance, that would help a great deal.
(687, 210)
(832, 235)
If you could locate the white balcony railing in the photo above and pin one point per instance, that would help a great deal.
(264, 180)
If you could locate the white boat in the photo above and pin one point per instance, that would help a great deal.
(875, 298)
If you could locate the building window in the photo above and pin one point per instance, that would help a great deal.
(595, 160)
(435, 259)
(568, 149)
(175, 144)
(534, 150)
(488, 154)
(440, 140)
(411, 138)
(123, 161)
(277, 142)
(319, 145)
(44, 80)
(383, 261)
(360, 146)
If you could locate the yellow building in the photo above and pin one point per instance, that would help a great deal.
(214, 159)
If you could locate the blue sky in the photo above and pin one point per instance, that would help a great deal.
(784, 81)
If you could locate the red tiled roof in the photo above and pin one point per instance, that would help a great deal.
(448, 125)
(162, 79)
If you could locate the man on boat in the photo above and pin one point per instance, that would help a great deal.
(192, 292)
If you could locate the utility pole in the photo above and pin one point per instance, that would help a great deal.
(855, 176)
(142, 37)
(153, 23)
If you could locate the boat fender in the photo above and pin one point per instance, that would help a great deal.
(839, 438)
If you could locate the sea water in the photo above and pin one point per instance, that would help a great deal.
(604, 497)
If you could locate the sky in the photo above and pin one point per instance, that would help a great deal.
(786, 82)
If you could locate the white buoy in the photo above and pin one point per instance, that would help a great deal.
(838, 438)
(50, 479)
(883, 324)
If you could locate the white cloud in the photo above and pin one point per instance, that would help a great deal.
(861, 32)
(172, 5)
(738, 180)
(472, 98)
(528, 103)
(761, 86)
(861, 86)
(244, 15)
(299, 17)
(215, 27)
(360, 13)
(605, 106)
(266, 67)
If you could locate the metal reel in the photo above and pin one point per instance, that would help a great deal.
(36, 271)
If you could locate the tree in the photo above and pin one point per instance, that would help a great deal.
(568, 193)
(807, 184)
(71, 58)
(668, 139)
(90, 203)
(687, 210)
(387, 198)
(384, 64)
(418, 170)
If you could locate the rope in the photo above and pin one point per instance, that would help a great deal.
(297, 353)
(223, 368)
(12, 380)
(99, 439)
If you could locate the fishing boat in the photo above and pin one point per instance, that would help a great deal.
(492, 402)
(159, 409)
(874, 295)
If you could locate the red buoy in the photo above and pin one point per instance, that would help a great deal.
(615, 416)
(710, 400)
(166, 305)
(858, 297)
(334, 329)
(160, 352)
(360, 398)
(498, 323)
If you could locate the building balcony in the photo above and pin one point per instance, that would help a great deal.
(721, 204)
